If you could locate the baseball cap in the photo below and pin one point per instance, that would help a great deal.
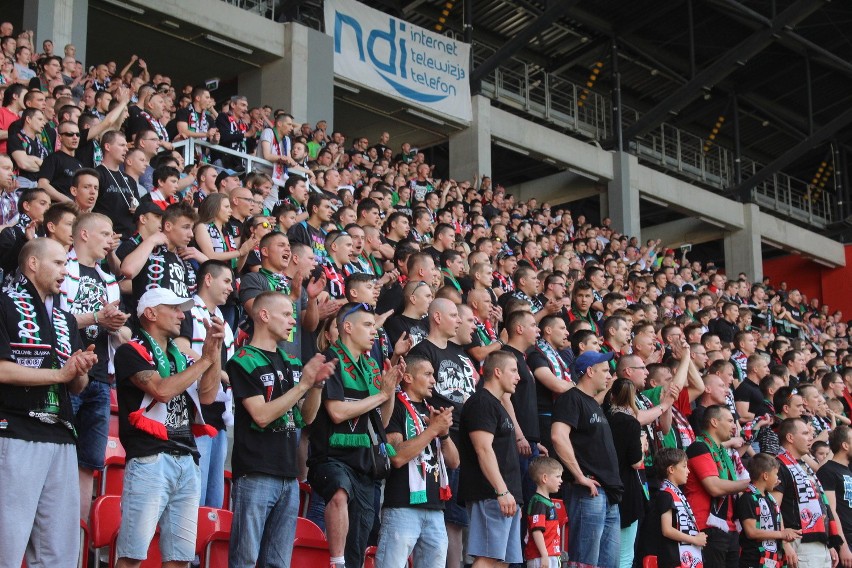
(226, 173)
(162, 297)
(147, 207)
(590, 359)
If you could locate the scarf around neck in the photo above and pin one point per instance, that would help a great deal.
(689, 554)
(417, 468)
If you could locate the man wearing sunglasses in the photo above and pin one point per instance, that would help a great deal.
(357, 404)
(58, 168)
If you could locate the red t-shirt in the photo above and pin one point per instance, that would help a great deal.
(7, 117)
(701, 465)
(541, 516)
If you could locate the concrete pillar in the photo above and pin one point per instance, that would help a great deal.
(742, 248)
(302, 81)
(622, 199)
(61, 21)
(470, 149)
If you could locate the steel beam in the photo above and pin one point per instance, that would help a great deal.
(723, 66)
(508, 49)
(794, 153)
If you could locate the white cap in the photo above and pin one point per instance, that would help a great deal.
(162, 297)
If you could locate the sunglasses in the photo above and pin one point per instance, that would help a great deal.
(366, 307)
(70, 134)
(264, 224)
(334, 238)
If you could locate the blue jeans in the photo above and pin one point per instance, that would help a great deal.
(159, 490)
(212, 463)
(407, 529)
(594, 538)
(264, 526)
(91, 419)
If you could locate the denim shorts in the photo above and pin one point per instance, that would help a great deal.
(91, 420)
(492, 534)
(159, 490)
(454, 512)
(408, 531)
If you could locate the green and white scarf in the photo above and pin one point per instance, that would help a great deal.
(414, 426)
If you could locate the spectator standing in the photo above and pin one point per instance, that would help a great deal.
(57, 170)
(836, 480)
(582, 438)
(159, 398)
(418, 486)
(490, 473)
(348, 437)
(215, 284)
(275, 395)
(41, 363)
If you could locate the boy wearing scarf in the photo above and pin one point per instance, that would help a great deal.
(803, 502)
(418, 487)
(674, 539)
(711, 486)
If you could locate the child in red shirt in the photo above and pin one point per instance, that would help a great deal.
(543, 543)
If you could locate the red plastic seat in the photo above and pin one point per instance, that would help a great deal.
(112, 477)
(214, 534)
(304, 498)
(113, 401)
(649, 562)
(370, 557)
(113, 425)
(83, 561)
(104, 520)
(229, 483)
(310, 547)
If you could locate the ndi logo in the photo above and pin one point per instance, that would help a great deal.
(416, 64)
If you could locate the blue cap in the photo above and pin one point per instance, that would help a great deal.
(590, 359)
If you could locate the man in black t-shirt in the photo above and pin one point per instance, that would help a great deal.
(57, 169)
(490, 474)
(118, 196)
(836, 479)
(159, 415)
(522, 330)
(92, 295)
(747, 397)
(40, 364)
(162, 260)
(272, 399)
(583, 442)
(418, 486)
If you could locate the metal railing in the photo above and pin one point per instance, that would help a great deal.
(264, 8)
(560, 102)
(190, 148)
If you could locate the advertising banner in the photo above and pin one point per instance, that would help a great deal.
(383, 53)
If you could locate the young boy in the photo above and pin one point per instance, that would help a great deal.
(166, 180)
(821, 452)
(675, 540)
(757, 511)
(543, 548)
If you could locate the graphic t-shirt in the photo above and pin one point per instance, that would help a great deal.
(762, 508)
(59, 168)
(269, 450)
(164, 269)
(91, 292)
(838, 478)
(455, 376)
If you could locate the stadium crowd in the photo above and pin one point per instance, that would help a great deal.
(431, 356)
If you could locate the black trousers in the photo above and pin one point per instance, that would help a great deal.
(722, 550)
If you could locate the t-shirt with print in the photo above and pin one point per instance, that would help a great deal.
(541, 516)
(484, 412)
(269, 450)
(397, 489)
(651, 540)
(91, 292)
(303, 232)
(164, 269)
(29, 146)
(455, 378)
(116, 195)
(254, 283)
(838, 478)
(180, 411)
(399, 324)
(59, 168)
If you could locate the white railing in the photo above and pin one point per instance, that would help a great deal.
(190, 148)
